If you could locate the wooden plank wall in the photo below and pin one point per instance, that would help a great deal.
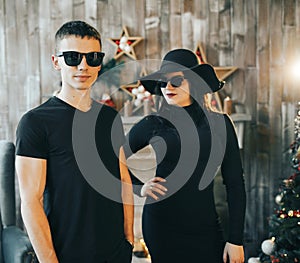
(260, 37)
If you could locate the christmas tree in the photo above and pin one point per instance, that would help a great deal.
(283, 246)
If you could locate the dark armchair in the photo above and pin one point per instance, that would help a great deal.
(15, 246)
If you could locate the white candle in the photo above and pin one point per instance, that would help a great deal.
(227, 105)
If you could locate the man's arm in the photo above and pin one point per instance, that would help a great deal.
(31, 174)
(127, 197)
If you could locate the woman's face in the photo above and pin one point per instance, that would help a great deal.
(179, 96)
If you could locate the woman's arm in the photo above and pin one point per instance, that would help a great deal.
(138, 138)
(232, 172)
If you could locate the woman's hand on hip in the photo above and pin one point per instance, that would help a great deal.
(154, 188)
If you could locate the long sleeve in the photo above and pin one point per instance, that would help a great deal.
(232, 173)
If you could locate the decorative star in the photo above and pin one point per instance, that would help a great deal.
(200, 53)
(125, 44)
(138, 94)
(222, 72)
(129, 87)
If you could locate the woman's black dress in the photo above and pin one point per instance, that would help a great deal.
(184, 226)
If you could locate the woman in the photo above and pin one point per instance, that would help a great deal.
(191, 142)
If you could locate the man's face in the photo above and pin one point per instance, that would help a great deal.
(79, 77)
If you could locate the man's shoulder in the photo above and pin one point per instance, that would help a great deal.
(43, 107)
(34, 112)
(48, 110)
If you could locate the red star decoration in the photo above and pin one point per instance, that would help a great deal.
(125, 44)
(200, 53)
(222, 72)
(128, 89)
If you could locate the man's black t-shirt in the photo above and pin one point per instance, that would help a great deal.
(83, 189)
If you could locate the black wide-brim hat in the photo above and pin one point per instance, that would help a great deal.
(186, 61)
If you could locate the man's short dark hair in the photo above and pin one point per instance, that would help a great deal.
(78, 29)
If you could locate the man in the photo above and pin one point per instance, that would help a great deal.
(68, 212)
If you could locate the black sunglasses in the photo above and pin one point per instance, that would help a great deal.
(74, 58)
(175, 81)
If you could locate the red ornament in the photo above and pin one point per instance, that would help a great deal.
(274, 259)
(128, 42)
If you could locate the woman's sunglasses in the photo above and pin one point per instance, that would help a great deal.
(175, 81)
(74, 58)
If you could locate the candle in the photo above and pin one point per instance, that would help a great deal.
(147, 107)
(227, 105)
(127, 108)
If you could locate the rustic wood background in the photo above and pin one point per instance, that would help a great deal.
(260, 37)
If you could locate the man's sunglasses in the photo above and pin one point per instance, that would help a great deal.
(74, 58)
(175, 82)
